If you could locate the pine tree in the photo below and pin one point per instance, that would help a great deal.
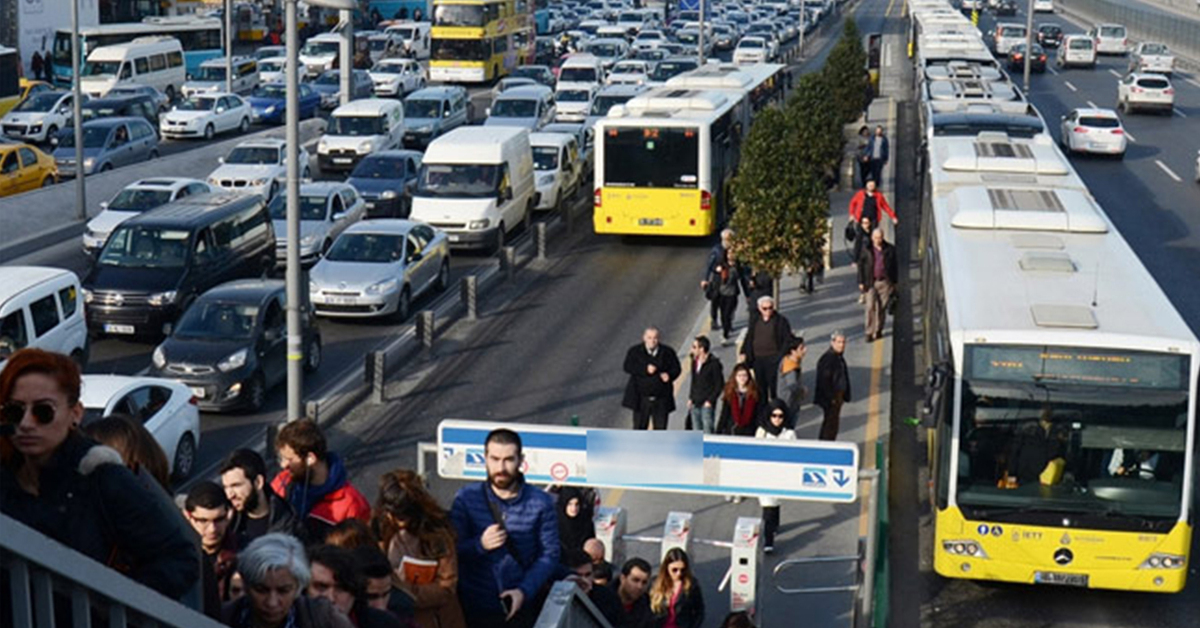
(818, 127)
(845, 71)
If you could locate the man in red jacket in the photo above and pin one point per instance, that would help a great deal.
(870, 202)
(314, 481)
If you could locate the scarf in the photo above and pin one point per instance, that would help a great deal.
(573, 531)
(303, 496)
(742, 414)
(765, 420)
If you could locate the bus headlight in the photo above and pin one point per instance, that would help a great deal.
(1163, 561)
(964, 548)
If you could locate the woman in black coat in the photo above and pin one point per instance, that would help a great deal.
(675, 596)
(62, 484)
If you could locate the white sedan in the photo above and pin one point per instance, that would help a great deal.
(630, 72)
(206, 115)
(395, 77)
(166, 408)
(1098, 131)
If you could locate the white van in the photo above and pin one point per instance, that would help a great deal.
(319, 52)
(211, 76)
(476, 184)
(156, 61)
(1006, 36)
(41, 307)
(582, 68)
(414, 38)
(270, 70)
(360, 128)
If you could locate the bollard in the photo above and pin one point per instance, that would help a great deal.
(508, 262)
(425, 329)
(540, 238)
(469, 289)
(374, 372)
(312, 412)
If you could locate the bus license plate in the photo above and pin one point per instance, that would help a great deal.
(1065, 579)
(650, 222)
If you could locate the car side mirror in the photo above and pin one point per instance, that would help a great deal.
(220, 160)
(338, 216)
(487, 112)
(103, 205)
(220, 110)
(507, 194)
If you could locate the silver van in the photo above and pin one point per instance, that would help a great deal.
(41, 307)
(432, 111)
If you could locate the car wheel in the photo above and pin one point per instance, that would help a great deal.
(47, 182)
(244, 126)
(185, 458)
(254, 393)
(558, 203)
(403, 305)
(208, 132)
(51, 131)
(106, 167)
(443, 278)
(153, 154)
(312, 356)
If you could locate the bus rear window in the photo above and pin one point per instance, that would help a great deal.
(649, 157)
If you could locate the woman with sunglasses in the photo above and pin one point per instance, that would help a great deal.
(773, 426)
(59, 482)
(675, 596)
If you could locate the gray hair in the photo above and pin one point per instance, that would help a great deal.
(726, 233)
(878, 230)
(837, 333)
(270, 552)
(764, 299)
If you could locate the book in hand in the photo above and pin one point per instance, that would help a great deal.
(418, 570)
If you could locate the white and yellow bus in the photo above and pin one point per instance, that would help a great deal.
(476, 41)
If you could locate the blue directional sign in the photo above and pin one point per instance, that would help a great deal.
(683, 462)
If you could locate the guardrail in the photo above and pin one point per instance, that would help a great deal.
(49, 585)
(1144, 23)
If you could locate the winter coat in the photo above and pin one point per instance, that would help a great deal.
(866, 264)
(307, 612)
(532, 527)
(727, 423)
(689, 608)
(779, 327)
(708, 384)
(327, 505)
(91, 502)
(435, 603)
(784, 434)
(642, 385)
(280, 518)
(833, 376)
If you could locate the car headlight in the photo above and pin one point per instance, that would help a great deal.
(89, 162)
(428, 128)
(35, 128)
(162, 298)
(259, 182)
(546, 179)
(313, 288)
(479, 224)
(269, 110)
(365, 146)
(160, 358)
(387, 194)
(87, 295)
(383, 287)
(322, 146)
(235, 360)
(308, 240)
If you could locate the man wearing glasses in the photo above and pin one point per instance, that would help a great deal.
(767, 338)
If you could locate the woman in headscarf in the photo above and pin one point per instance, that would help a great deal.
(574, 519)
(773, 426)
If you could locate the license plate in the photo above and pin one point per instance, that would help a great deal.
(341, 160)
(650, 222)
(370, 205)
(112, 328)
(454, 238)
(341, 300)
(1065, 579)
(198, 393)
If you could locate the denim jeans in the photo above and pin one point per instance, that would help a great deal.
(702, 419)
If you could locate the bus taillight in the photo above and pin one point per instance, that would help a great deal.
(596, 198)
(705, 201)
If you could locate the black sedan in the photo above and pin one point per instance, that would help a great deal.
(230, 347)
(1049, 35)
(1006, 7)
(1016, 59)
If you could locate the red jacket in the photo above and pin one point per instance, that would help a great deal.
(337, 506)
(856, 205)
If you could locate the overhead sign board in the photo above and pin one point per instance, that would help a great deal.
(682, 462)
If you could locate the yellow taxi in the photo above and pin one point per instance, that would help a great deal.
(25, 89)
(23, 168)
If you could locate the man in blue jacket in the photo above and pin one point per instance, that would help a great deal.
(507, 540)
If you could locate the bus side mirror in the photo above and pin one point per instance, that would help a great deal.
(936, 379)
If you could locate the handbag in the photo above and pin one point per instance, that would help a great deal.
(851, 232)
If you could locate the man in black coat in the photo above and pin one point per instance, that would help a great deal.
(768, 336)
(652, 369)
(708, 380)
(877, 277)
(833, 385)
(257, 510)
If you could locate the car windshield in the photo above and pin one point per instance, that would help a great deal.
(39, 102)
(389, 67)
(422, 108)
(328, 78)
(545, 157)
(1153, 83)
(535, 73)
(1080, 43)
(93, 137)
(1099, 122)
(210, 73)
(101, 68)
(380, 168)
(668, 69)
(514, 108)
(1050, 30)
(1012, 31)
(356, 126)
(380, 43)
(602, 104)
(198, 103)
(271, 91)
(459, 180)
(751, 43)
(146, 247)
(605, 50)
(1154, 49)
(135, 200)
(270, 66)
(320, 48)
(577, 75)
(1112, 31)
(629, 68)
(311, 207)
(371, 248)
(253, 156)
(572, 95)
(217, 320)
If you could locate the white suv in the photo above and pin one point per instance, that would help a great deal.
(39, 117)
(1145, 91)
(256, 167)
(136, 198)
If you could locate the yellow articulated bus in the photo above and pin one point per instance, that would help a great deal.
(1061, 401)
(664, 159)
(477, 41)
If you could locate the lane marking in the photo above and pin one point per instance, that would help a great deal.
(1178, 112)
(1170, 173)
(1129, 136)
(1070, 86)
(1193, 82)
(873, 411)
(1092, 105)
(1114, 73)
(888, 12)
(887, 55)
(1052, 70)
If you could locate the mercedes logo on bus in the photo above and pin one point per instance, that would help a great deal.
(1063, 556)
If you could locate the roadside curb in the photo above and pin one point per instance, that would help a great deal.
(41, 240)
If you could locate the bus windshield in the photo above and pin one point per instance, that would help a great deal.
(459, 50)
(1072, 430)
(101, 68)
(646, 157)
(458, 15)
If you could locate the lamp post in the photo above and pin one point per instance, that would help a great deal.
(77, 114)
(229, 46)
(346, 54)
(295, 297)
(1028, 44)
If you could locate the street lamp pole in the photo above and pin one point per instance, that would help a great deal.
(700, 38)
(295, 299)
(1028, 43)
(77, 115)
(346, 58)
(229, 46)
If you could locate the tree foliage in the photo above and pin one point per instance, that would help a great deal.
(845, 71)
(782, 204)
(818, 127)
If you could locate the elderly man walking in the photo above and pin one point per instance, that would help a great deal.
(833, 385)
(652, 368)
(877, 276)
(768, 337)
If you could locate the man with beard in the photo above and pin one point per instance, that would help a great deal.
(508, 545)
(315, 482)
(256, 510)
(631, 588)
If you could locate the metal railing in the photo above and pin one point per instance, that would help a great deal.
(1144, 22)
(50, 585)
(568, 607)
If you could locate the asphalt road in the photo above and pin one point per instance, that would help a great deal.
(1156, 212)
